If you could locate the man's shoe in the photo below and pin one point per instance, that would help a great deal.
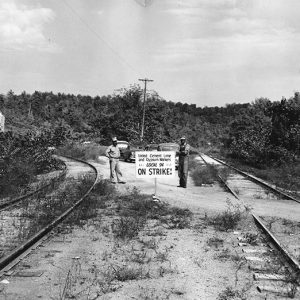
(179, 186)
(123, 182)
(113, 182)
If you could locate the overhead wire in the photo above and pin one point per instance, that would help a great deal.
(98, 36)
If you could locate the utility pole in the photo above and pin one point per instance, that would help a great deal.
(2, 122)
(145, 94)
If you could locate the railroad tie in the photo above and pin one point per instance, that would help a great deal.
(283, 290)
(251, 250)
(265, 276)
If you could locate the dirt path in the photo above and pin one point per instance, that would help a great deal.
(209, 198)
(191, 263)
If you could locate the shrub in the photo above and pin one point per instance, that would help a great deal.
(193, 163)
(127, 227)
(139, 206)
(126, 273)
(86, 152)
(21, 159)
(204, 175)
(230, 293)
(228, 219)
(215, 242)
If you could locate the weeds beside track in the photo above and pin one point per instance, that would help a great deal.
(294, 266)
(17, 251)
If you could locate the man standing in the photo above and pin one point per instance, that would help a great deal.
(184, 150)
(113, 153)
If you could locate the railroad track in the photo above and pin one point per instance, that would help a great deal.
(53, 181)
(279, 273)
(20, 232)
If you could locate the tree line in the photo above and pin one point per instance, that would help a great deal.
(259, 133)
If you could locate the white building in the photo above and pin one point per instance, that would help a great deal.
(2, 122)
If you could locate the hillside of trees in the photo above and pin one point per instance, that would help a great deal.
(259, 133)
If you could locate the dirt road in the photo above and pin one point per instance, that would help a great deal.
(209, 198)
(191, 263)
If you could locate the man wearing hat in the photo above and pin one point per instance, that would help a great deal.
(113, 153)
(184, 151)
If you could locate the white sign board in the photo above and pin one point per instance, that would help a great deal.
(2, 121)
(154, 164)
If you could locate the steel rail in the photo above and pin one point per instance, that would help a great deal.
(18, 199)
(38, 236)
(222, 180)
(257, 180)
(291, 261)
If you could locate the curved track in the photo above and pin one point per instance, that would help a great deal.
(9, 258)
(250, 190)
(53, 181)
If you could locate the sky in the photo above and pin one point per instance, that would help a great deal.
(203, 52)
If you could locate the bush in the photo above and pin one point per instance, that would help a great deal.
(204, 175)
(136, 205)
(230, 293)
(21, 159)
(193, 163)
(127, 227)
(227, 220)
(86, 152)
(126, 273)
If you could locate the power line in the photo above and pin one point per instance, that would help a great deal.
(98, 35)
(143, 120)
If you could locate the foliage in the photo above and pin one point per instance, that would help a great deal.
(127, 227)
(22, 158)
(97, 118)
(266, 133)
(204, 175)
(231, 293)
(86, 152)
(260, 133)
(228, 219)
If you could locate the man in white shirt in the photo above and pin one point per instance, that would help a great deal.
(113, 153)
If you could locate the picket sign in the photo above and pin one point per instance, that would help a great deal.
(155, 164)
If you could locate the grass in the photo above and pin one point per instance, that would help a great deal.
(150, 293)
(126, 273)
(231, 293)
(227, 220)
(136, 205)
(204, 175)
(251, 238)
(140, 257)
(36, 214)
(215, 242)
(193, 162)
(20, 165)
(293, 281)
(96, 200)
(136, 225)
(86, 152)
(286, 176)
(127, 227)
(224, 173)
(150, 244)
